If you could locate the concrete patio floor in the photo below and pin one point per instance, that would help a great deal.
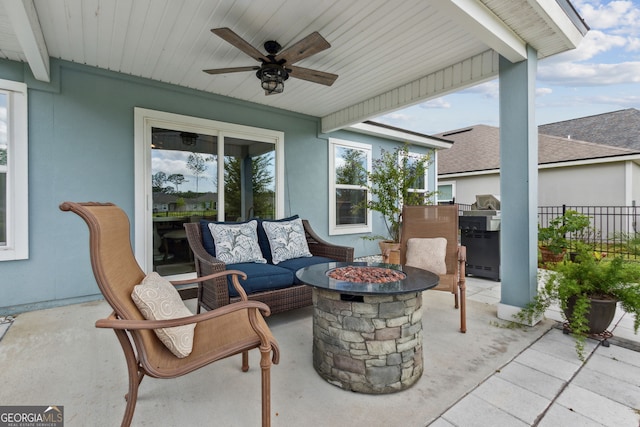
(492, 375)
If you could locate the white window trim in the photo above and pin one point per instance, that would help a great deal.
(17, 172)
(335, 229)
(144, 120)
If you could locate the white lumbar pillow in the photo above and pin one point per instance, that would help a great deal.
(158, 299)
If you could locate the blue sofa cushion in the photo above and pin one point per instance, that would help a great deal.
(295, 264)
(260, 277)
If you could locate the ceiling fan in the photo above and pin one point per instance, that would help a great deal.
(278, 66)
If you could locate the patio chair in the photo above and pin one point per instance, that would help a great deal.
(227, 331)
(428, 222)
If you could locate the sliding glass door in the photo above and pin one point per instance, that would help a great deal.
(220, 172)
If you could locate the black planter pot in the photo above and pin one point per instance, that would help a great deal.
(600, 314)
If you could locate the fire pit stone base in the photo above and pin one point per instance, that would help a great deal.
(370, 344)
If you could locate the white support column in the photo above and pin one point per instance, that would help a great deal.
(518, 184)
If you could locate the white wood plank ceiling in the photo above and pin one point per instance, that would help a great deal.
(388, 54)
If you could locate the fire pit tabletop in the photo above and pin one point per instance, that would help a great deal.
(415, 279)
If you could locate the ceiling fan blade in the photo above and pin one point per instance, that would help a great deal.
(304, 48)
(231, 70)
(229, 36)
(314, 76)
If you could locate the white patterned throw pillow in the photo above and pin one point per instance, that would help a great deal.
(236, 243)
(286, 239)
(158, 299)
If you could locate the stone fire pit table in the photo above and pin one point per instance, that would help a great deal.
(367, 337)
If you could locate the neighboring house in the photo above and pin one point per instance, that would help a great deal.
(163, 202)
(86, 87)
(617, 128)
(571, 171)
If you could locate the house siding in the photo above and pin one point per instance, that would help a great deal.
(589, 185)
(81, 148)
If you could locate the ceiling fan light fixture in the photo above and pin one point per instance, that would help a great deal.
(189, 138)
(272, 77)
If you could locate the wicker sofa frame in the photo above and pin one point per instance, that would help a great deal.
(215, 293)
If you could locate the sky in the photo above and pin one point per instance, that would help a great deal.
(601, 75)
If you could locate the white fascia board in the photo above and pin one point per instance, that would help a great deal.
(613, 159)
(486, 26)
(396, 135)
(24, 20)
(469, 72)
(627, 158)
(467, 174)
(557, 19)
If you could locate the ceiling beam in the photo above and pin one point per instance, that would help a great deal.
(469, 72)
(486, 26)
(24, 19)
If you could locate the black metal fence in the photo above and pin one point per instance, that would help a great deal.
(614, 229)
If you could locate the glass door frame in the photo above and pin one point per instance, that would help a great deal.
(144, 121)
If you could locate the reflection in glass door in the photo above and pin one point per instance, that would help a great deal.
(185, 188)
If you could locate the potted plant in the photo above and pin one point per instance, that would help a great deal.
(588, 290)
(553, 242)
(391, 183)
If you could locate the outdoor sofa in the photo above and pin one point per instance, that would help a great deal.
(273, 283)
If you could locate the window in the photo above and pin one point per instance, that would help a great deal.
(420, 189)
(14, 207)
(446, 192)
(349, 163)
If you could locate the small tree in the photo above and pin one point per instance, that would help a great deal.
(394, 177)
(176, 179)
(196, 163)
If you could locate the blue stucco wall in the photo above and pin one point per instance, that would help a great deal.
(81, 148)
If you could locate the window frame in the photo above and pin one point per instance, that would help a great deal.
(144, 120)
(334, 228)
(17, 179)
(453, 191)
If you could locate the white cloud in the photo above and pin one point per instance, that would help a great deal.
(392, 118)
(437, 103)
(593, 44)
(616, 15)
(542, 91)
(489, 90)
(574, 74)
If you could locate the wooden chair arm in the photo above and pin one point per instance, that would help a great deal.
(113, 322)
(234, 280)
(320, 247)
(462, 253)
(462, 263)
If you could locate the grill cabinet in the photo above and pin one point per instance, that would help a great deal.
(480, 233)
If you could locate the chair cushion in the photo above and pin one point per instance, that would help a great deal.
(237, 243)
(260, 277)
(296, 264)
(286, 239)
(428, 254)
(263, 240)
(158, 299)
